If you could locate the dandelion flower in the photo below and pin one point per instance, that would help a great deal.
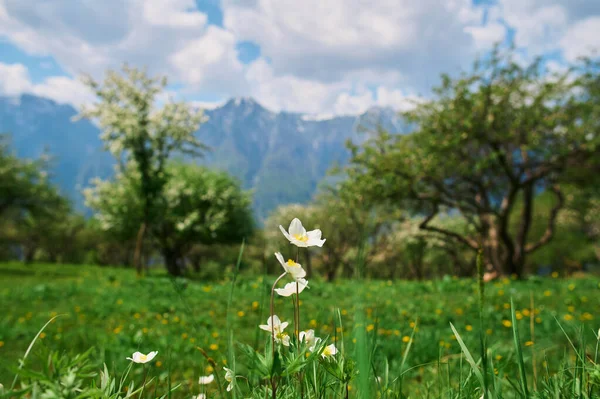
(290, 288)
(329, 351)
(230, 378)
(139, 357)
(292, 268)
(298, 235)
(206, 379)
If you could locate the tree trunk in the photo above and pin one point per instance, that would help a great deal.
(196, 261)
(171, 259)
(330, 274)
(29, 253)
(517, 263)
(138, 249)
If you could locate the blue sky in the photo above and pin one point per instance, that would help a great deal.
(318, 57)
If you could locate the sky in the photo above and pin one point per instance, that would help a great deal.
(320, 57)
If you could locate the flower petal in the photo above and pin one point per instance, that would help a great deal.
(314, 238)
(206, 379)
(296, 228)
(285, 233)
(314, 234)
(286, 291)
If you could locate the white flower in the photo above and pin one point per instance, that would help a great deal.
(298, 235)
(292, 268)
(139, 357)
(329, 351)
(199, 396)
(205, 380)
(308, 337)
(276, 327)
(290, 288)
(230, 378)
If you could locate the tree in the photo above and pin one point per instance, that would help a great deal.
(24, 183)
(198, 205)
(30, 206)
(348, 225)
(501, 134)
(138, 133)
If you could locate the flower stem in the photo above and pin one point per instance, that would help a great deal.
(297, 303)
(297, 325)
(273, 386)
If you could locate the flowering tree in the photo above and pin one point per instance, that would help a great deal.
(141, 136)
(197, 205)
(500, 135)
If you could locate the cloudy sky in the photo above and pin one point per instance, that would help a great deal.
(312, 56)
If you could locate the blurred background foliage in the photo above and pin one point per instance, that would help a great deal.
(504, 158)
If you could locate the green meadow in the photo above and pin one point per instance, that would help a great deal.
(116, 313)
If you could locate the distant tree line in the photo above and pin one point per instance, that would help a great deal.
(503, 159)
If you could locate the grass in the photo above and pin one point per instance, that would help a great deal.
(409, 341)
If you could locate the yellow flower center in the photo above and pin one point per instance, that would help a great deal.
(327, 351)
(280, 335)
(301, 237)
(291, 263)
(143, 358)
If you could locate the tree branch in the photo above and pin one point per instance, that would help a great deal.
(465, 240)
(549, 233)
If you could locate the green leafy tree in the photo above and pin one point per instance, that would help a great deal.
(487, 139)
(346, 223)
(198, 206)
(31, 208)
(24, 183)
(139, 133)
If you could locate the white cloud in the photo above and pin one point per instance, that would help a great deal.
(172, 13)
(488, 35)
(543, 26)
(320, 40)
(206, 104)
(90, 36)
(289, 92)
(321, 57)
(538, 27)
(210, 62)
(15, 80)
(64, 90)
(582, 39)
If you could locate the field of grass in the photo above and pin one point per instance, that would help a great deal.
(117, 313)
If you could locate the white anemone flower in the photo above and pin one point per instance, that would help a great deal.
(199, 396)
(329, 351)
(298, 235)
(308, 337)
(139, 357)
(290, 288)
(206, 379)
(230, 378)
(276, 327)
(292, 268)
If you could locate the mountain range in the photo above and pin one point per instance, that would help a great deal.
(281, 156)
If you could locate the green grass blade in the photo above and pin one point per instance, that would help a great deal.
(22, 363)
(468, 356)
(518, 349)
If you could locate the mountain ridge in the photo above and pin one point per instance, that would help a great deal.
(281, 156)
